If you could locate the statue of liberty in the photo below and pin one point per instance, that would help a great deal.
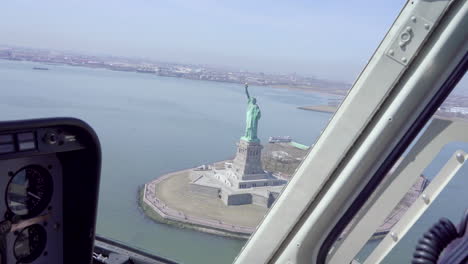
(252, 117)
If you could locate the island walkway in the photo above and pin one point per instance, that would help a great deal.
(150, 198)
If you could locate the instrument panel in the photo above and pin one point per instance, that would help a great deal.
(32, 211)
(49, 179)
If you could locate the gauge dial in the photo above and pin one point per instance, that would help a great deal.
(30, 243)
(29, 191)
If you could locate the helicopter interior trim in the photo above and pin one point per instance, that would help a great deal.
(438, 134)
(432, 191)
(50, 178)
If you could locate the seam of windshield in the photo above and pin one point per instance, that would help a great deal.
(413, 131)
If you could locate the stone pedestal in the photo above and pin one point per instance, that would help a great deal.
(247, 164)
(241, 182)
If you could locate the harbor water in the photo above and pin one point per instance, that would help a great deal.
(150, 125)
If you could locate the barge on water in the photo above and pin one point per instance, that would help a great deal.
(41, 68)
(280, 139)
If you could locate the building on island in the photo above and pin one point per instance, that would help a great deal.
(191, 196)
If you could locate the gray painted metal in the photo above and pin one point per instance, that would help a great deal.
(417, 209)
(437, 135)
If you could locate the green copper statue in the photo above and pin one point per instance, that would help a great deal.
(253, 115)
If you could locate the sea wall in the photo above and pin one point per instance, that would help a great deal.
(150, 199)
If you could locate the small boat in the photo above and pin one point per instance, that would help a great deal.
(41, 68)
(280, 139)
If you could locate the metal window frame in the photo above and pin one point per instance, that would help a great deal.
(440, 181)
(388, 101)
(439, 133)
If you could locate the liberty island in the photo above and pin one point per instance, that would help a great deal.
(233, 194)
(231, 197)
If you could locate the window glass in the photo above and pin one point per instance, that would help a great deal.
(432, 157)
(448, 204)
(162, 83)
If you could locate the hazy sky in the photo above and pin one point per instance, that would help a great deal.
(327, 39)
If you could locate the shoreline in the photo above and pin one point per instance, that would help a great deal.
(205, 225)
(168, 199)
(319, 108)
(333, 92)
(154, 216)
(332, 109)
(309, 89)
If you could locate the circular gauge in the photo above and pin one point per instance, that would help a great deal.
(29, 191)
(30, 243)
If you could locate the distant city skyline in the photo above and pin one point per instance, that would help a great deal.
(168, 69)
(327, 39)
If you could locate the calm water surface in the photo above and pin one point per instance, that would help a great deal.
(150, 125)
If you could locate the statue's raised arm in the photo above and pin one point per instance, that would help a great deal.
(247, 91)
